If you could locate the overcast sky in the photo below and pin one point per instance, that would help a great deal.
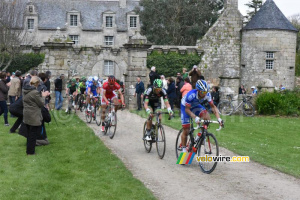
(288, 7)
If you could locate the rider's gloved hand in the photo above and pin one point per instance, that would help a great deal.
(170, 111)
(123, 105)
(107, 102)
(148, 111)
(197, 120)
(221, 122)
(91, 96)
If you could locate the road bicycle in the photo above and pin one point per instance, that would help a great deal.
(110, 120)
(157, 135)
(204, 144)
(226, 106)
(70, 104)
(92, 114)
(81, 101)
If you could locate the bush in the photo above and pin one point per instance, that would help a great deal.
(298, 64)
(279, 103)
(172, 63)
(24, 62)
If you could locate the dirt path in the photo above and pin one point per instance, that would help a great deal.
(170, 181)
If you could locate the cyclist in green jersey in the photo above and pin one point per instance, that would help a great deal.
(71, 90)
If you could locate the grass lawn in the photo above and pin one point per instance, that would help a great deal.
(76, 165)
(271, 141)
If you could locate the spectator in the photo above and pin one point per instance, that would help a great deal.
(153, 75)
(32, 115)
(186, 87)
(16, 109)
(14, 91)
(29, 76)
(242, 90)
(215, 95)
(3, 97)
(47, 83)
(8, 77)
(179, 85)
(139, 89)
(254, 91)
(195, 76)
(171, 92)
(165, 86)
(184, 73)
(58, 88)
(281, 88)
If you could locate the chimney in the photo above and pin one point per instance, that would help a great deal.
(122, 3)
(232, 4)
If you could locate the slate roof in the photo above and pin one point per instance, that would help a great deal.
(53, 13)
(269, 17)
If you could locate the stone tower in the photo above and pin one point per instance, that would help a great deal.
(268, 50)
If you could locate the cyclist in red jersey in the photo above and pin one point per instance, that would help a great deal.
(108, 94)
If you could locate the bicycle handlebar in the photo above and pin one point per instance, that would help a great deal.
(209, 122)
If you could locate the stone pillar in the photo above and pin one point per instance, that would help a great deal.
(230, 83)
(137, 48)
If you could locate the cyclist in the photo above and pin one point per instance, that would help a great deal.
(191, 107)
(152, 98)
(108, 93)
(71, 90)
(81, 89)
(93, 90)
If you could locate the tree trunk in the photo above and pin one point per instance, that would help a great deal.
(2, 60)
(8, 64)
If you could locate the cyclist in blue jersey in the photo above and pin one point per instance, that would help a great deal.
(191, 107)
(93, 91)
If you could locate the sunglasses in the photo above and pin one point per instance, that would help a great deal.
(157, 89)
(202, 92)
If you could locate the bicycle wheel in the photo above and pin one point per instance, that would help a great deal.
(248, 109)
(147, 144)
(112, 127)
(178, 144)
(98, 111)
(88, 116)
(225, 107)
(208, 146)
(160, 141)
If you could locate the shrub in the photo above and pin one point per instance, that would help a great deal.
(172, 63)
(24, 62)
(298, 64)
(279, 103)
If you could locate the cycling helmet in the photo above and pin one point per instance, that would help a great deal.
(96, 78)
(73, 80)
(90, 79)
(202, 86)
(111, 80)
(157, 83)
(83, 79)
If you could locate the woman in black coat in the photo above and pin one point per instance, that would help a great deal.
(171, 91)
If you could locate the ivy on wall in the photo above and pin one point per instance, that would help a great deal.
(172, 63)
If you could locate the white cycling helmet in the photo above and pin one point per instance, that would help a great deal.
(96, 78)
(90, 79)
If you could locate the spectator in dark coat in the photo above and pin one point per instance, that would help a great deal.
(215, 95)
(3, 97)
(16, 109)
(242, 90)
(179, 85)
(32, 115)
(139, 89)
(195, 76)
(47, 83)
(171, 92)
(58, 88)
(153, 75)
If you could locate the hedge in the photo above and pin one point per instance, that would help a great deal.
(172, 63)
(24, 62)
(279, 103)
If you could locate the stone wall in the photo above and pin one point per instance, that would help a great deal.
(254, 47)
(221, 46)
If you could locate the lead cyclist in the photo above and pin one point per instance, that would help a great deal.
(191, 107)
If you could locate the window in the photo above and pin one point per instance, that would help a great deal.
(269, 64)
(30, 24)
(108, 67)
(133, 22)
(270, 60)
(74, 38)
(109, 40)
(73, 20)
(270, 54)
(109, 21)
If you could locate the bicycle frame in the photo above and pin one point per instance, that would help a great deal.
(245, 99)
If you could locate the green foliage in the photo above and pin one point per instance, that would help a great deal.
(172, 63)
(297, 64)
(176, 22)
(279, 103)
(254, 6)
(24, 62)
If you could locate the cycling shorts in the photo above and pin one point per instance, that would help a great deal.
(109, 97)
(185, 118)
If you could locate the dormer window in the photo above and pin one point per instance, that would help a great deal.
(109, 21)
(30, 9)
(133, 21)
(73, 20)
(30, 24)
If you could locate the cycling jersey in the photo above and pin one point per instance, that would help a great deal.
(93, 88)
(154, 99)
(72, 88)
(81, 88)
(192, 100)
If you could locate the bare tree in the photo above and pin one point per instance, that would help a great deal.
(13, 31)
